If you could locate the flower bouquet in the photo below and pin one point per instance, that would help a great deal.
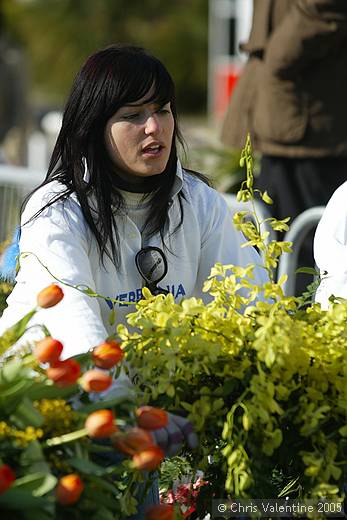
(64, 454)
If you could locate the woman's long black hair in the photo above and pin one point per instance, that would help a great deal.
(110, 79)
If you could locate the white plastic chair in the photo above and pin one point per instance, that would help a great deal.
(299, 228)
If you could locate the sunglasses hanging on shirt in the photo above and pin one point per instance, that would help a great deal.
(151, 263)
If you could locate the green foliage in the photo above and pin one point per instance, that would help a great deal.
(43, 438)
(263, 381)
(58, 35)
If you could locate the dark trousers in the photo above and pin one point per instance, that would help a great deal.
(296, 185)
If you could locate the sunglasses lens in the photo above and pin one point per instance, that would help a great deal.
(151, 265)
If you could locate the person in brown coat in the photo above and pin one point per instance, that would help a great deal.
(292, 98)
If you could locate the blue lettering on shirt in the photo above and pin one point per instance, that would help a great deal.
(136, 295)
(180, 291)
(123, 298)
(109, 303)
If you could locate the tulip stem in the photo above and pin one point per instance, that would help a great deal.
(68, 437)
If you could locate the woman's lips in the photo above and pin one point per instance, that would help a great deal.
(153, 151)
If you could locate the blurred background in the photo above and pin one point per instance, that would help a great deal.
(43, 44)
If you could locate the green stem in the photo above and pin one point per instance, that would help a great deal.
(68, 437)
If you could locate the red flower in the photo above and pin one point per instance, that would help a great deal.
(149, 458)
(151, 418)
(64, 373)
(107, 354)
(132, 441)
(7, 476)
(95, 381)
(49, 296)
(69, 489)
(161, 512)
(48, 350)
(100, 424)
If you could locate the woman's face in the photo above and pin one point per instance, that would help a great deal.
(138, 139)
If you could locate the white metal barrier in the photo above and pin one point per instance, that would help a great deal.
(15, 183)
(297, 233)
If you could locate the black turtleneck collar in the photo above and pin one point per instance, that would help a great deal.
(148, 184)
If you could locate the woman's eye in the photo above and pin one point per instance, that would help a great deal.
(129, 117)
(163, 111)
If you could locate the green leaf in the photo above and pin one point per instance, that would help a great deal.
(105, 403)
(49, 390)
(14, 333)
(38, 483)
(307, 270)
(28, 414)
(32, 454)
(103, 514)
(87, 466)
(10, 371)
(37, 514)
(17, 498)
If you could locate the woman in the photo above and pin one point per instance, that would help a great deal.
(117, 211)
(114, 186)
(330, 248)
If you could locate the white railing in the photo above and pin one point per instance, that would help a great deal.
(15, 183)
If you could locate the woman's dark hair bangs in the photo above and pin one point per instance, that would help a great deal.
(151, 83)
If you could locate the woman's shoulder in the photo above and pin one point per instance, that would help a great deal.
(46, 194)
(50, 199)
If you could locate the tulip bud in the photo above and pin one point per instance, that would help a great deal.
(95, 381)
(151, 418)
(149, 458)
(161, 512)
(107, 354)
(49, 296)
(100, 424)
(69, 489)
(48, 350)
(7, 476)
(132, 441)
(64, 373)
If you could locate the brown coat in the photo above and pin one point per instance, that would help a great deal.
(292, 94)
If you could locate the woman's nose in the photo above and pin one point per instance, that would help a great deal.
(152, 124)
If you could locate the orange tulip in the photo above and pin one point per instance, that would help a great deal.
(149, 458)
(151, 418)
(69, 489)
(7, 476)
(49, 296)
(96, 381)
(161, 512)
(107, 354)
(64, 373)
(132, 441)
(48, 350)
(100, 424)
